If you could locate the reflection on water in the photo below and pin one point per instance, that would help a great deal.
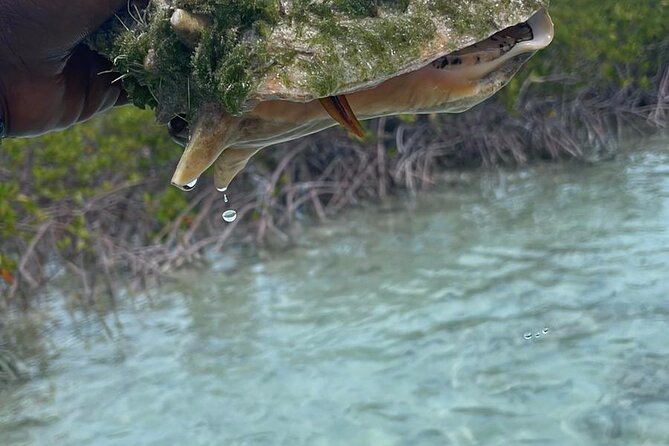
(397, 327)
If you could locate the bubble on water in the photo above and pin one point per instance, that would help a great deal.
(191, 185)
(230, 215)
(529, 335)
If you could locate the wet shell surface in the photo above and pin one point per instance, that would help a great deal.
(235, 76)
(175, 55)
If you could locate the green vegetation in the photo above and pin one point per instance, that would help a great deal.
(97, 195)
(622, 39)
(57, 191)
(604, 45)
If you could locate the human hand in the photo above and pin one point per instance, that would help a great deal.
(48, 79)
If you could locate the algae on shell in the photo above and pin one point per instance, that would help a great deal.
(239, 52)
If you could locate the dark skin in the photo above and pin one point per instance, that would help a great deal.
(48, 79)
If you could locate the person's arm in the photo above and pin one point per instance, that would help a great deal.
(48, 79)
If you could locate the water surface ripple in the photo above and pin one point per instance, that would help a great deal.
(398, 327)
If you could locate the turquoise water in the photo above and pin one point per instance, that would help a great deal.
(399, 326)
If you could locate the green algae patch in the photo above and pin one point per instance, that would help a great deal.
(239, 52)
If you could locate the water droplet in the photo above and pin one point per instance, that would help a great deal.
(528, 335)
(225, 198)
(222, 189)
(537, 335)
(191, 185)
(230, 215)
(545, 330)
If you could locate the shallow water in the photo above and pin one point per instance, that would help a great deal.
(402, 326)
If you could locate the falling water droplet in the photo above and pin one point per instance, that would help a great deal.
(528, 335)
(230, 215)
(191, 185)
(225, 196)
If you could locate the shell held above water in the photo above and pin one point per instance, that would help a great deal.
(199, 52)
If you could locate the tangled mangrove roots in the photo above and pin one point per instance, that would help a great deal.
(317, 177)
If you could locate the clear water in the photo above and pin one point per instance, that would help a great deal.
(402, 326)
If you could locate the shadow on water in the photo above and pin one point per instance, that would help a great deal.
(404, 326)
